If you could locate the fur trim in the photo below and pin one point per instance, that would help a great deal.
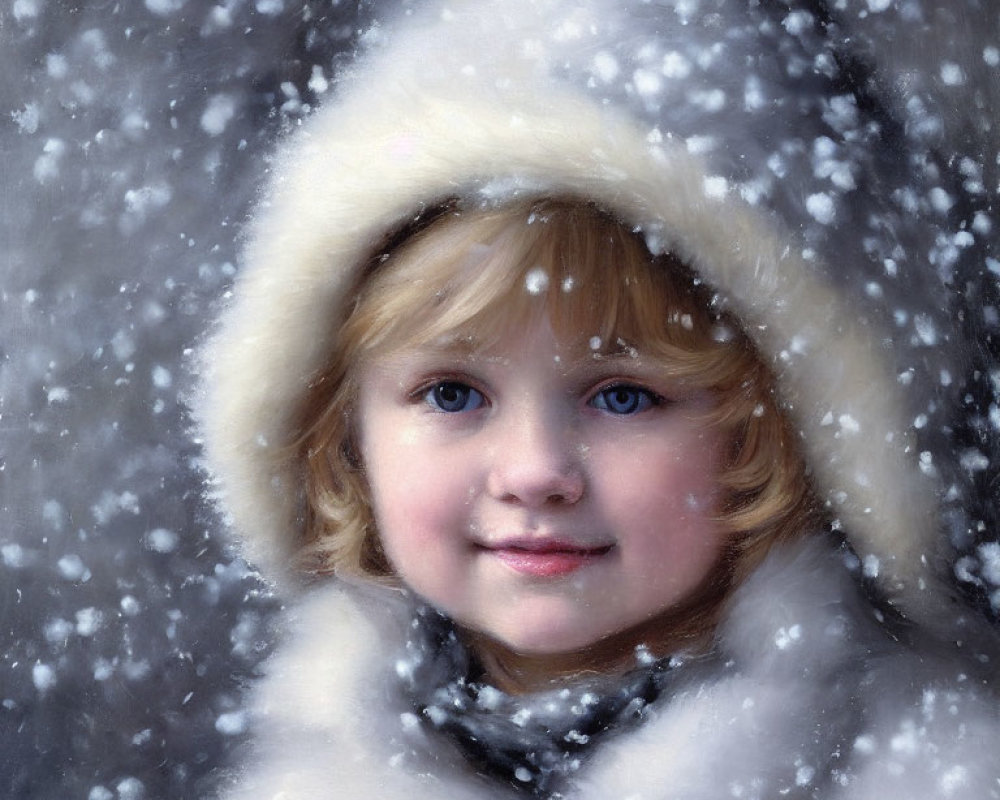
(464, 104)
(810, 699)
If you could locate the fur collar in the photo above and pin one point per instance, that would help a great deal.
(810, 696)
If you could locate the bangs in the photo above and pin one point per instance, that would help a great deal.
(470, 279)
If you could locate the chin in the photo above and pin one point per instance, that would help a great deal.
(548, 640)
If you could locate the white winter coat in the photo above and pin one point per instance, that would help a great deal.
(814, 699)
(725, 131)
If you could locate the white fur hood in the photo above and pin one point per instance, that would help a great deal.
(725, 131)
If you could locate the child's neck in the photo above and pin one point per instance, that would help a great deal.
(524, 673)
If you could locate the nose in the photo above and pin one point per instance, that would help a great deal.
(536, 462)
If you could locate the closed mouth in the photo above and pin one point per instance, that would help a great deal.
(545, 557)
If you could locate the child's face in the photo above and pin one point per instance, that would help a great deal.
(536, 494)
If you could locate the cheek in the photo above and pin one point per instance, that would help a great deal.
(416, 498)
(650, 477)
(664, 499)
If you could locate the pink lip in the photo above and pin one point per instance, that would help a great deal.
(545, 558)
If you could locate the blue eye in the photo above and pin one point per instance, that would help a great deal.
(623, 399)
(453, 397)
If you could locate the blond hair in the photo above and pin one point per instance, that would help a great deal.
(477, 275)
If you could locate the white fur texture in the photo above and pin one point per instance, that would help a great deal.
(813, 700)
(463, 104)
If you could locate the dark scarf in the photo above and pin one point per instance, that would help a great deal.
(531, 741)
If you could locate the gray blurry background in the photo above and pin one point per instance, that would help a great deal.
(133, 137)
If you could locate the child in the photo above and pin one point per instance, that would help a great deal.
(559, 427)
